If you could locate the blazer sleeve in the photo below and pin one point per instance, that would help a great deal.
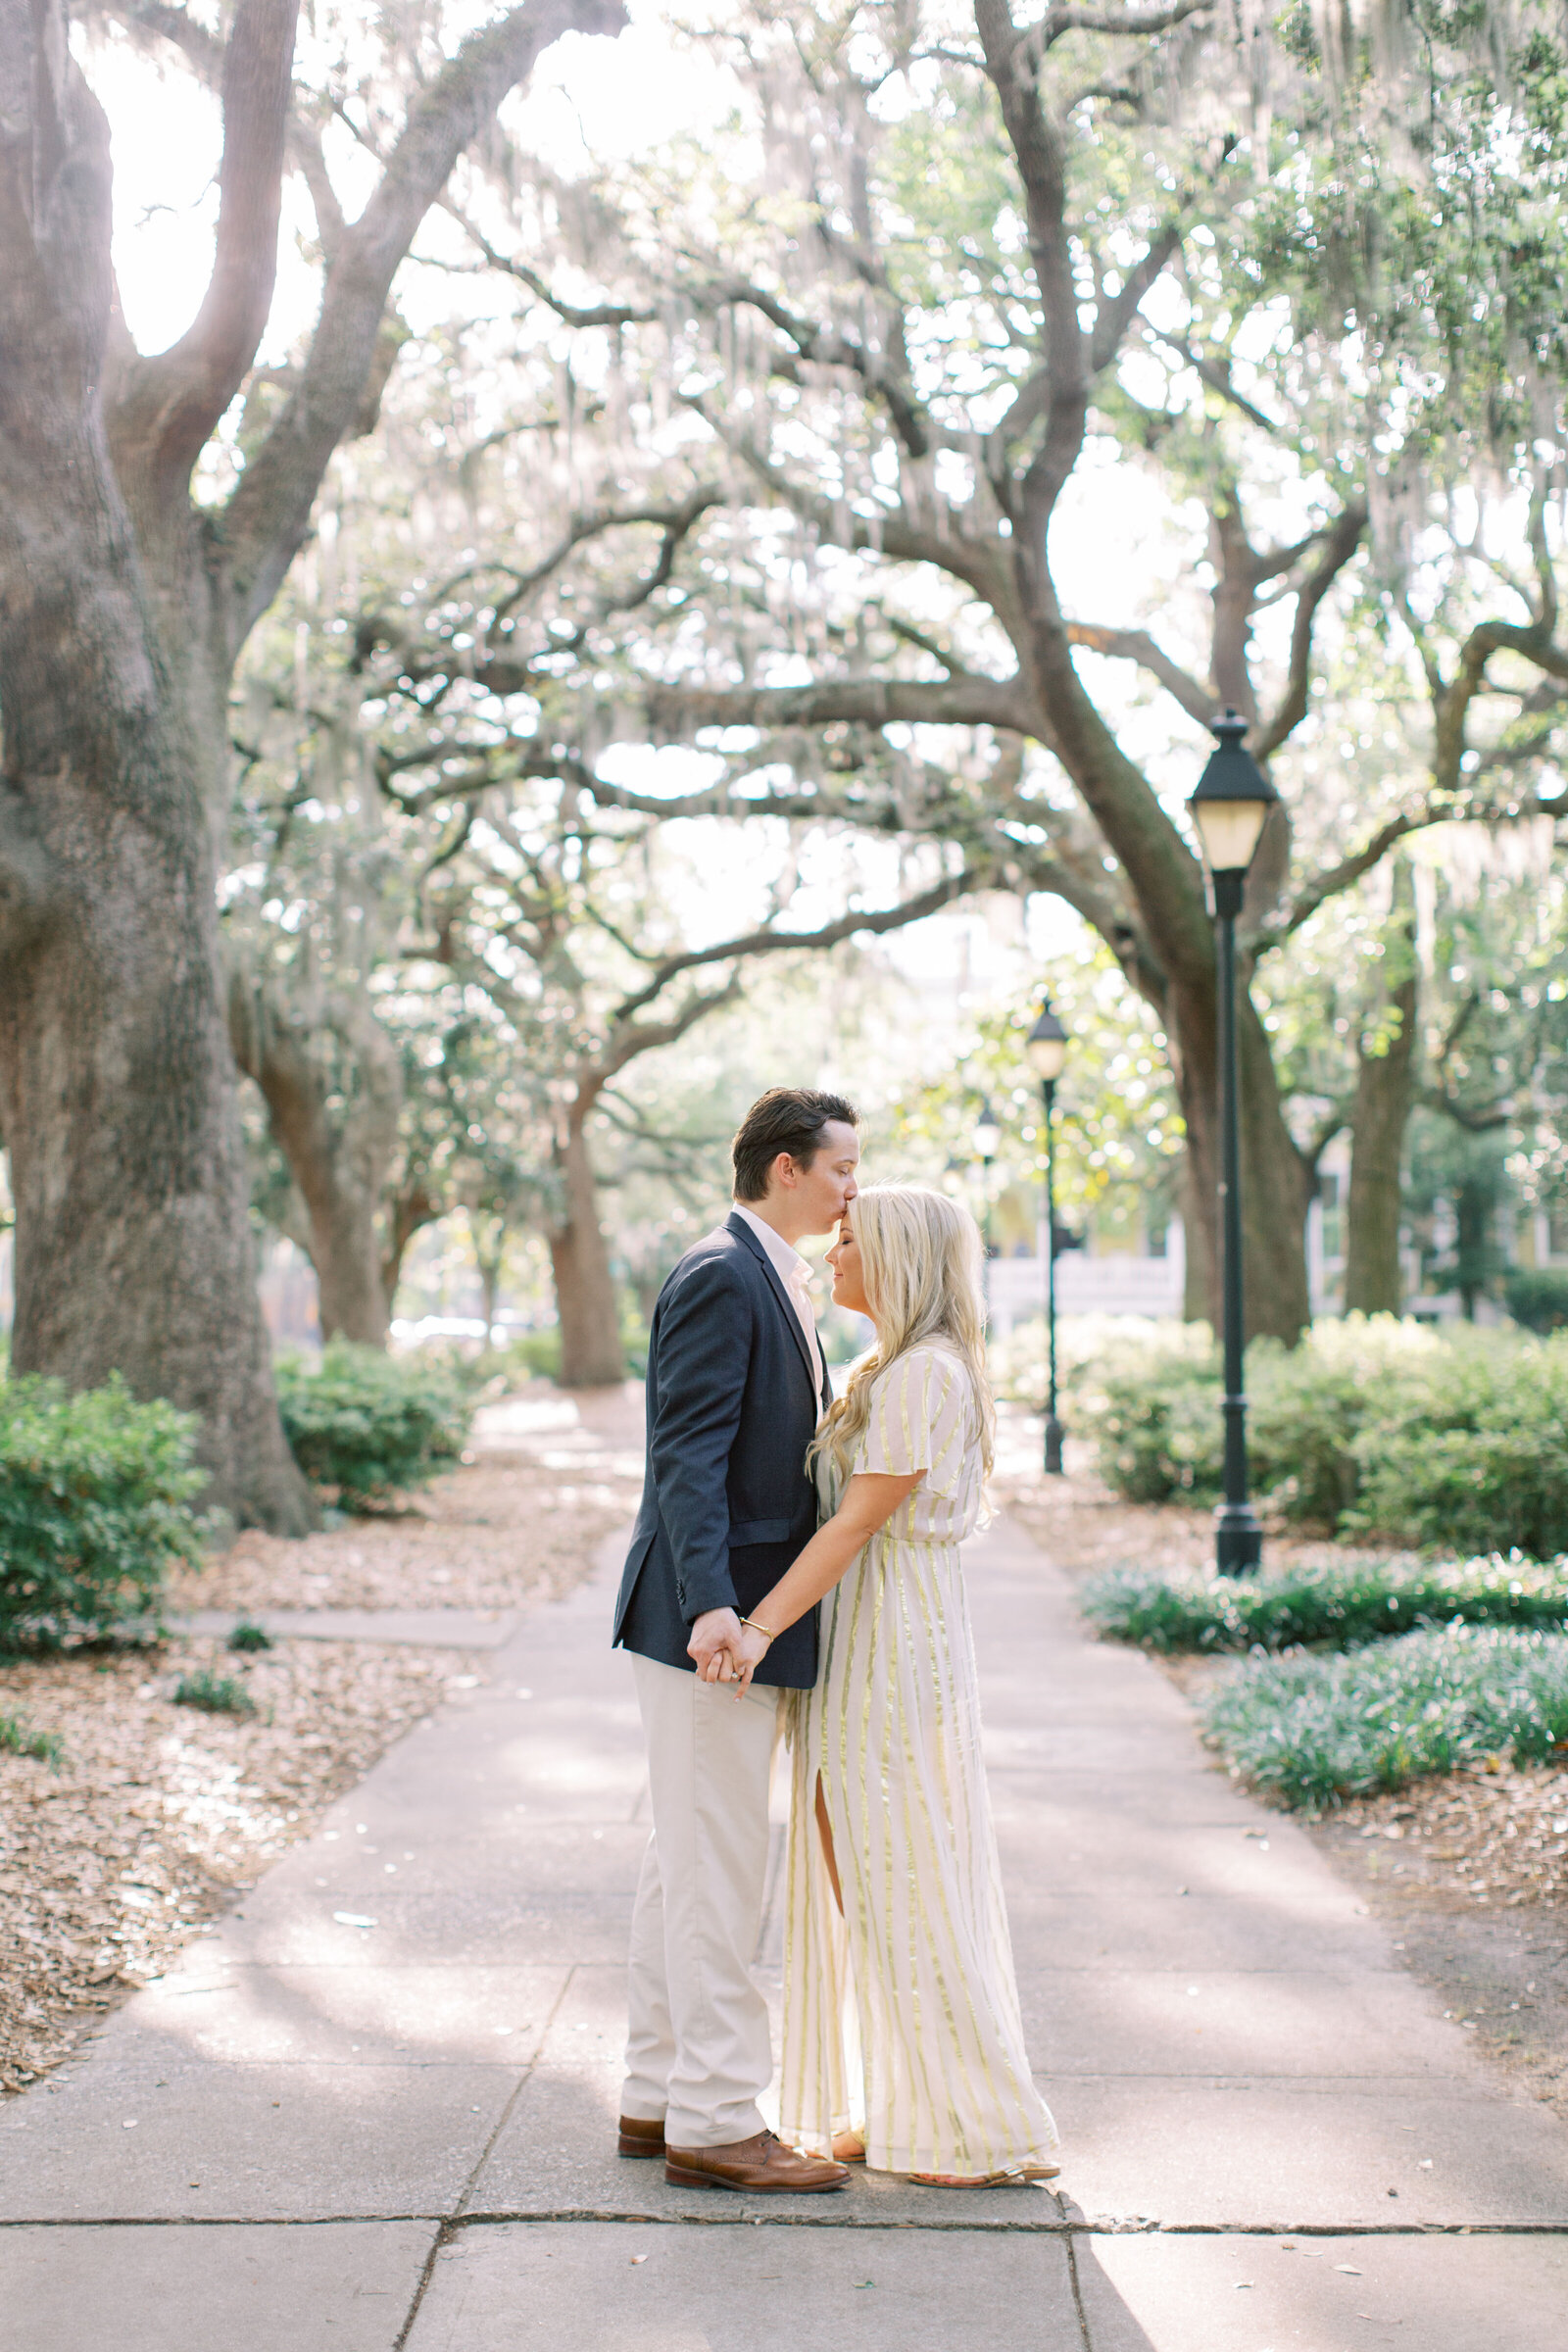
(704, 1343)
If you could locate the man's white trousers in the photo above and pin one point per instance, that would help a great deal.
(699, 2053)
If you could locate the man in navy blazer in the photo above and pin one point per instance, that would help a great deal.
(735, 1387)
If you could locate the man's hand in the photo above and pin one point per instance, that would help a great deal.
(717, 1634)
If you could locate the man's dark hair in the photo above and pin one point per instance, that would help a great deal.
(787, 1118)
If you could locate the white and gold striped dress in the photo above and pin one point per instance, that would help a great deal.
(900, 2017)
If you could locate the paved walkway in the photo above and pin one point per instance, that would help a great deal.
(377, 2102)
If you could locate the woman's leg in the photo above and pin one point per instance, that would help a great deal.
(847, 2147)
(825, 1828)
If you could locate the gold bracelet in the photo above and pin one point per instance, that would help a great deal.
(759, 1629)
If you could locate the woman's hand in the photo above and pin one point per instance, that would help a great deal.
(747, 1655)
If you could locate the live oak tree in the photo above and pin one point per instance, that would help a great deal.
(123, 606)
(421, 866)
(445, 965)
(976, 258)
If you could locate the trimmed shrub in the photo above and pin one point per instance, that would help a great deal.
(1313, 1731)
(213, 1694)
(1311, 1404)
(369, 1425)
(1342, 1605)
(1469, 1452)
(1147, 1393)
(95, 1494)
(1457, 1443)
(1538, 1297)
(531, 1356)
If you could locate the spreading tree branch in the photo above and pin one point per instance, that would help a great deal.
(168, 406)
(266, 520)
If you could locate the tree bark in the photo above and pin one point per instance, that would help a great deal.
(411, 1208)
(133, 1245)
(333, 1088)
(591, 1352)
(1385, 1089)
(123, 610)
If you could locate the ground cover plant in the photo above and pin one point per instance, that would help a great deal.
(213, 1694)
(20, 1738)
(1340, 1605)
(368, 1426)
(1455, 1443)
(95, 1508)
(1314, 1730)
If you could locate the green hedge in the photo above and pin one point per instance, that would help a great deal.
(1538, 1297)
(1340, 1605)
(368, 1425)
(95, 1496)
(1312, 1731)
(1458, 1443)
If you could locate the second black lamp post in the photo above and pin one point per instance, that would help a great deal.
(987, 1143)
(1230, 809)
(1047, 1049)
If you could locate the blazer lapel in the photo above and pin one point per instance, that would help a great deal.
(743, 1231)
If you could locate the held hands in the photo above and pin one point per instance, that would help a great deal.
(715, 1634)
(747, 1655)
(725, 1650)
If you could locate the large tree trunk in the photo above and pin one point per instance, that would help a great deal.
(411, 1207)
(123, 610)
(333, 1088)
(591, 1352)
(1385, 1089)
(133, 1246)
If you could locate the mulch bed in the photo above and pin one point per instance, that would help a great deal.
(506, 1530)
(1493, 1838)
(157, 1813)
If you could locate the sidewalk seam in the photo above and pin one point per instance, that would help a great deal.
(450, 2225)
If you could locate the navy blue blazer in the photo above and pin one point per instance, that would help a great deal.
(727, 1502)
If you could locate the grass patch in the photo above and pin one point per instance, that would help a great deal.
(213, 1694)
(1312, 1731)
(18, 1737)
(1342, 1605)
(249, 1636)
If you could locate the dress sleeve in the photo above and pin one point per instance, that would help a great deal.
(919, 1420)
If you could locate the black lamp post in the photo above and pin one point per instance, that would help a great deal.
(1047, 1049)
(1229, 808)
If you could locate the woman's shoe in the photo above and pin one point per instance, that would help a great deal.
(849, 2147)
(1021, 2173)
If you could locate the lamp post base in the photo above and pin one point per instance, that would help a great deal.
(1238, 1539)
(1055, 1433)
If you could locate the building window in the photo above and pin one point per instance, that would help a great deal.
(1331, 1198)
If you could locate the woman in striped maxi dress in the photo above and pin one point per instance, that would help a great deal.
(903, 2041)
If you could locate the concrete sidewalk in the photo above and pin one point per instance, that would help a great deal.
(377, 2103)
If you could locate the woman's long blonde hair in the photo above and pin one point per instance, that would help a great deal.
(921, 1262)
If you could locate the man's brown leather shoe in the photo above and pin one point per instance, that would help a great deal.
(639, 2137)
(762, 2166)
